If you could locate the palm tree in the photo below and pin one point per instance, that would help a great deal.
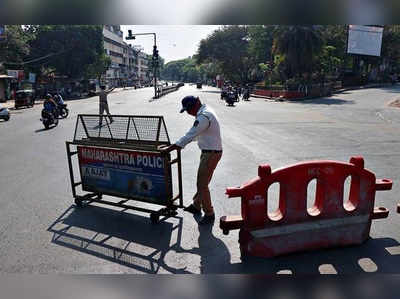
(299, 45)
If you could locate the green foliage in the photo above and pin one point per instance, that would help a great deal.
(14, 49)
(71, 48)
(188, 71)
(300, 45)
(228, 47)
(159, 67)
(98, 67)
(261, 39)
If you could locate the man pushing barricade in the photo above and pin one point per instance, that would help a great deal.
(206, 131)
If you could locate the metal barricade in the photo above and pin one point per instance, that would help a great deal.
(118, 156)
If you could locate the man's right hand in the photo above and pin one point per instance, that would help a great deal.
(167, 148)
(163, 148)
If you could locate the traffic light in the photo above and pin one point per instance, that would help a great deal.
(2, 32)
(155, 53)
(130, 36)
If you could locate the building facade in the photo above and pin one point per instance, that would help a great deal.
(115, 48)
(143, 69)
(129, 64)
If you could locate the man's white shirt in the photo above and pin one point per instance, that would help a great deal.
(205, 130)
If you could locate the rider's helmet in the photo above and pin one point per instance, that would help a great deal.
(48, 96)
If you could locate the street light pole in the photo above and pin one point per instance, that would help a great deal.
(132, 36)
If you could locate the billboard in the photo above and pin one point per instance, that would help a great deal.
(365, 40)
(2, 32)
(13, 73)
(138, 175)
(32, 77)
(17, 74)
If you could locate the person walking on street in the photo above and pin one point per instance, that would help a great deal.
(206, 131)
(103, 104)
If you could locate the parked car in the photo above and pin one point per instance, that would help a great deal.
(4, 113)
(25, 97)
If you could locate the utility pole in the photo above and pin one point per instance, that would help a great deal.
(155, 56)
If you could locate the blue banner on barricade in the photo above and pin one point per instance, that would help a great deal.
(125, 173)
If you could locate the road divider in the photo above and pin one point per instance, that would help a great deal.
(163, 90)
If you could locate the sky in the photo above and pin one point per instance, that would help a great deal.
(174, 42)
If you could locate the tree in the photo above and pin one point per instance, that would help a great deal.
(300, 46)
(182, 70)
(228, 47)
(99, 67)
(160, 65)
(71, 48)
(261, 41)
(15, 48)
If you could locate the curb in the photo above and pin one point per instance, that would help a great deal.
(281, 99)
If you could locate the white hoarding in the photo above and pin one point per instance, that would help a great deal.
(365, 40)
(13, 73)
(32, 77)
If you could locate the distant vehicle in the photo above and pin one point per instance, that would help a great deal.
(199, 85)
(231, 97)
(246, 94)
(223, 93)
(24, 97)
(4, 113)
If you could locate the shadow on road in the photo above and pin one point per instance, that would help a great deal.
(326, 101)
(211, 91)
(214, 255)
(43, 129)
(375, 256)
(131, 240)
(120, 237)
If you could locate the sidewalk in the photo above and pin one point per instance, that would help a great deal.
(281, 99)
(10, 104)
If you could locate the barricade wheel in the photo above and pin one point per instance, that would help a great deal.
(154, 218)
(78, 202)
(243, 256)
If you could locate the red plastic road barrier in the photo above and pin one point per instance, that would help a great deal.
(331, 221)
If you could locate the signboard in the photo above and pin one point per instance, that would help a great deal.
(18, 74)
(32, 77)
(2, 32)
(125, 173)
(365, 40)
(12, 73)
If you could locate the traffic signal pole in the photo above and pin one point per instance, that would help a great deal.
(155, 56)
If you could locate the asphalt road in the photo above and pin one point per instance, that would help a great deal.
(42, 231)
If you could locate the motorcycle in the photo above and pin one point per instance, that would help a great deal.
(4, 113)
(63, 111)
(49, 118)
(223, 94)
(230, 98)
(246, 95)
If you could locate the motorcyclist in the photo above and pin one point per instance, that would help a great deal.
(59, 100)
(246, 92)
(50, 105)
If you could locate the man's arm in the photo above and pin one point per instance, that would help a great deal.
(110, 90)
(201, 124)
(168, 148)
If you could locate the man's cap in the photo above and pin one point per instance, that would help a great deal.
(188, 102)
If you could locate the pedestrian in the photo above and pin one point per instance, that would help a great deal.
(103, 104)
(206, 131)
